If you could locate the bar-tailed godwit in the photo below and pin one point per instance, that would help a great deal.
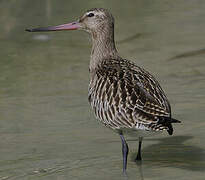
(124, 96)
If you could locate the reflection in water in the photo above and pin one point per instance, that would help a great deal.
(173, 152)
(131, 38)
(139, 172)
(140, 168)
(189, 54)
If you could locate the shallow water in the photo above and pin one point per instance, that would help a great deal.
(47, 130)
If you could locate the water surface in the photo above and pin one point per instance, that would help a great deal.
(47, 130)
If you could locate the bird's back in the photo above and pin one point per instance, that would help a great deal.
(125, 96)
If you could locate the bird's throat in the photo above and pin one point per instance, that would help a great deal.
(103, 47)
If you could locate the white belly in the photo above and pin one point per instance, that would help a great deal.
(140, 133)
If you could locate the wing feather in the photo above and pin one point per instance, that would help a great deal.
(124, 95)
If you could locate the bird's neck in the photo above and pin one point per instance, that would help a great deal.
(103, 47)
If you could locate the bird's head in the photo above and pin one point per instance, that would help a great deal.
(93, 21)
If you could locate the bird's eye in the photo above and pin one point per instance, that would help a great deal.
(90, 15)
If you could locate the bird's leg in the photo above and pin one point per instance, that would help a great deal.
(125, 151)
(139, 157)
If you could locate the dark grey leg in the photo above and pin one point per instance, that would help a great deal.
(139, 157)
(125, 151)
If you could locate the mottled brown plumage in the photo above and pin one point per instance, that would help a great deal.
(123, 96)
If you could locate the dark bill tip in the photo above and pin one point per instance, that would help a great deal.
(69, 26)
(29, 30)
(41, 29)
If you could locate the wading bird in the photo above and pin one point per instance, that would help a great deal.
(124, 96)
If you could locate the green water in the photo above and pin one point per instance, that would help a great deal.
(47, 130)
